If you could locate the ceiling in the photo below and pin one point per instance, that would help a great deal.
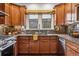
(38, 6)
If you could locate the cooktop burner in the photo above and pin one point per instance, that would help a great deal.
(4, 37)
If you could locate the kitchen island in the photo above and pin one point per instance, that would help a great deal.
(46, 44)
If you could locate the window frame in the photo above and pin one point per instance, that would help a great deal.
(40, 26)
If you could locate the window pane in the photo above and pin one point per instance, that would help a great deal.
(33, 16)
(33, 23)
(44, 16)
(46, 23)
(46, 20)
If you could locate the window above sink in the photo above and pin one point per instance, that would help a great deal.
(39, 21)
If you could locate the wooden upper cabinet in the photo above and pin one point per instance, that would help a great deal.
(77, 11)
(7, 18)
(68, 7)
(65, 13)
(60, 13)
(2, 19)
(15, 12)
(22, 15)
(18, 15)
(2, 7)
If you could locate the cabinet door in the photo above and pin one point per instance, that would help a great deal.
(53, 44)
(44, 45)
(7, 18)
(23, 45)
(15, 12)
(22, 15)
(34, 46)
(2, 8)
(60, 10)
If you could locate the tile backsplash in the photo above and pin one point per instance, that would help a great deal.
(42, 32)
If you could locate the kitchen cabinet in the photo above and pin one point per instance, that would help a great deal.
(34, 46)
(70, 13)
(5, 7)
(77, 11)
(7, 18)
(2, 8)
(16, 14)
(22, 15)
(65, 13)
(60, 14)
(23, 44)
(53, 44)
(44, 45)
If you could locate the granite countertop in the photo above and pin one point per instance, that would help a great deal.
(38, 35)
(64, 36)
(69, 38)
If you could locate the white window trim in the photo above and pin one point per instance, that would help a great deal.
(39, 23)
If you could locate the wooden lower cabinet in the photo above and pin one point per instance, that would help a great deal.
(53, 48)
(44, 45)
(34, 46)
(53, 44)
(44, 48)
(23, 48)
(23, 45)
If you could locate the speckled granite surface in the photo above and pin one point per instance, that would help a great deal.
(64, 36)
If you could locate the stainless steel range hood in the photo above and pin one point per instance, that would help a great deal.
(3, 13)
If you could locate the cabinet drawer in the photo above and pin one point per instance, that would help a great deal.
(44, 38)
(53, 37)
(23, 37)
(44, 43)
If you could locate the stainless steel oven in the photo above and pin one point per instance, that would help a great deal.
(8, 51)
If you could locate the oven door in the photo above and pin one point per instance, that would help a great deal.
(8, 51)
